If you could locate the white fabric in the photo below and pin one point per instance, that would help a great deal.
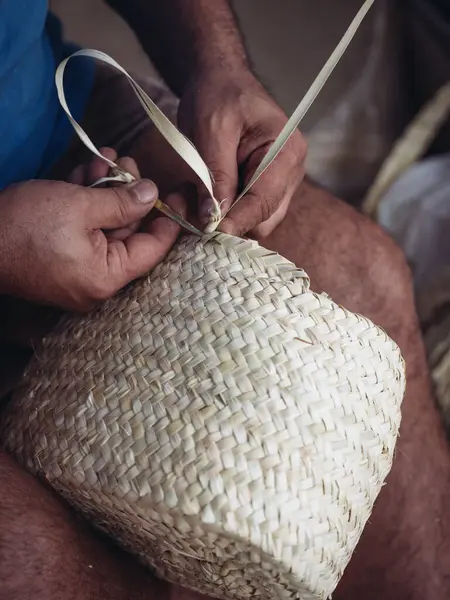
(416, 212)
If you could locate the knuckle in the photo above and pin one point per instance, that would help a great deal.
(121, 200)
(127, 160)
(269, 131)
(129, 164)
(107, 152)
(219, 121)
(265, 205)
(269, 205)
(264, 132)
(219, 174)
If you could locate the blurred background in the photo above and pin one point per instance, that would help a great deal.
(382, 80)
(279, 35)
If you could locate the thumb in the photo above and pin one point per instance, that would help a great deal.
(141, 252)
(110, 208)
(220, 155)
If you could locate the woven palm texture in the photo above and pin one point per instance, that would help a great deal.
(217, 418)
(220, 420)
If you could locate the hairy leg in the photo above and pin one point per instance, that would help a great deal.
(404, 552)
(48, 553)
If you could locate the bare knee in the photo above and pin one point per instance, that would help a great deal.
(360, 267)
(348, 257)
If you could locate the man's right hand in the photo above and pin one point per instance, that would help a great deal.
(56, 245)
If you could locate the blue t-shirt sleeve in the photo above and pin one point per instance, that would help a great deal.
(34, 130)
(78, 83)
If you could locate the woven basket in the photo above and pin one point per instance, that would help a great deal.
(220, 420)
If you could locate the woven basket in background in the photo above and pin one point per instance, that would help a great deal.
(220, 420)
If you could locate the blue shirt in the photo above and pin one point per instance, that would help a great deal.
(34, 131)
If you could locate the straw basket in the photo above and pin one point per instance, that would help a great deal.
(220, 420)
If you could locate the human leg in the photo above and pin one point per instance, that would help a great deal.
(47, 552)
(404, 550)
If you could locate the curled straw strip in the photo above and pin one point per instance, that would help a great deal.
(182, 144)
(120, 175)
(409, 148)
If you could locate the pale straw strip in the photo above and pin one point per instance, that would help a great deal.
(411, 146)
(181, 144)
(304, 106)
(176, 139)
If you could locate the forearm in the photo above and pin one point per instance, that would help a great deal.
(183, 37)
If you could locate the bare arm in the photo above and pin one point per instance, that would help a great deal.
(184, 37)
(224, 110)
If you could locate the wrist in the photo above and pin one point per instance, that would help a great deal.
(222, 70)
(230, 75)
(214, 55)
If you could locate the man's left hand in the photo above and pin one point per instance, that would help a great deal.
(233, 121)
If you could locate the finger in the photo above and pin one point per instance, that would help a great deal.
(123, 232)
(218, 148)
(78, 175)
(190, 195)
(113, 208)
(264, 229)
(98, 168)
(141, 252)
(163, 227)
(89, 173)
(271, 192)
(261, 202)
(129, 165)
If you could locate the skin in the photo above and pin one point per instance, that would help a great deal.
(224, 109)
(67, 260)
(83, 245)
(61, 244)
(405, 548)
(403, 553)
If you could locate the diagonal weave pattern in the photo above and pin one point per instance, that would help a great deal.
(220, 420)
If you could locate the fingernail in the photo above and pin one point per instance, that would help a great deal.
(206, 209)
(144, 190)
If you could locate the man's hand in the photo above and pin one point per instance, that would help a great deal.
(58, 244)
(233, 122)
(196, 46)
